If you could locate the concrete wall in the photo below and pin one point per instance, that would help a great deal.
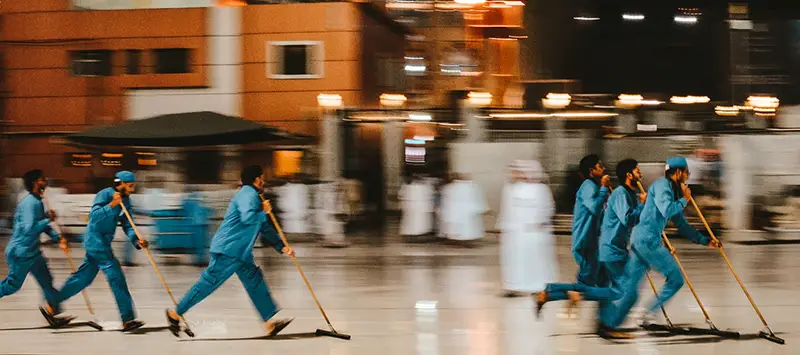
(488, 163)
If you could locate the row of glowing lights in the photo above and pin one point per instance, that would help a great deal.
(398, 100)
(457, 4)
(686, 19)
(760, 105)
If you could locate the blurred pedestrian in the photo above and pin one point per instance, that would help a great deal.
(527, 251)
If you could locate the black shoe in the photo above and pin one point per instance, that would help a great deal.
(132, 325)
(279, 325)
(606, 332)
(53, 320)
(174, 325)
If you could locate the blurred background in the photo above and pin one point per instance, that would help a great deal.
(345, 103)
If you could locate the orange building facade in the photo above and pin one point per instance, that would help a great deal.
(65, 69)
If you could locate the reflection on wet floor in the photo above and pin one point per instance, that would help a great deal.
(396, 298)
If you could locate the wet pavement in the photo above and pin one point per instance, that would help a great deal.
(399, 298)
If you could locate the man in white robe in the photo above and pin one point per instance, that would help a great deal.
(416, 197)
(527, 249)
(463, 206)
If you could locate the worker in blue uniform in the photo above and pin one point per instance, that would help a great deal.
(23, 253)
(587, 217)
(232, 252)
(621, 215)
(104, 217)
(666, 199)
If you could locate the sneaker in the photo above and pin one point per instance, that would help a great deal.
(645, 320)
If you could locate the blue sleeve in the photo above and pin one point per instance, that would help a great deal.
(52, 234)
(250, 209)
(688, 232)
(270, 235)
(593, 203)
(30, 226)
(665, 203)
(622, 208)
(126, 226)
(100, 207)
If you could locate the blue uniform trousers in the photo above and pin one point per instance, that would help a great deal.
(92, 264)
(18, 269)
(589, 272)
(615, 273)
(644, 258)
(219, 270)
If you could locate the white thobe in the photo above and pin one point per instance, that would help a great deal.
(294, 208)
(417, 205)
(462, 209)
(527, 249)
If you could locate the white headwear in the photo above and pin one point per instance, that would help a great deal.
(532, 169)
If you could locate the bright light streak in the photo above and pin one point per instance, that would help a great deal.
(420, 117)
(763, 102)
(556, 100)
(393, 100)
(415, 68)
(515, 3)
(686, 19)
(424, 138)
(633, 17)
(479, 98)
(586, 18)
(329, 100)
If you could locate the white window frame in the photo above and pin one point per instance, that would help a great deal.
(316, 64)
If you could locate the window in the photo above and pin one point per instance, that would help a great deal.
(133, 59)
(171, 60)
(91, 62)
(295, 60)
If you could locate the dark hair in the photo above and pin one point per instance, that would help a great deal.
(587, 163)
(250, 174)
(672, 171)
(624, 167)
(30, 178)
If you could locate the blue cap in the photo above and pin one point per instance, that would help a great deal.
(124, 176)
(676, 163)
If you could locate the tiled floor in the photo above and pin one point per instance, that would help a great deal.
(397, 298)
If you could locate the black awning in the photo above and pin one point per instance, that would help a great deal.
(190, 129)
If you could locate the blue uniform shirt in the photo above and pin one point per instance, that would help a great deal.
(587, 216)
(30, 221)
(103, 221)
(662, 206)
(244, 220)
(618, 221)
